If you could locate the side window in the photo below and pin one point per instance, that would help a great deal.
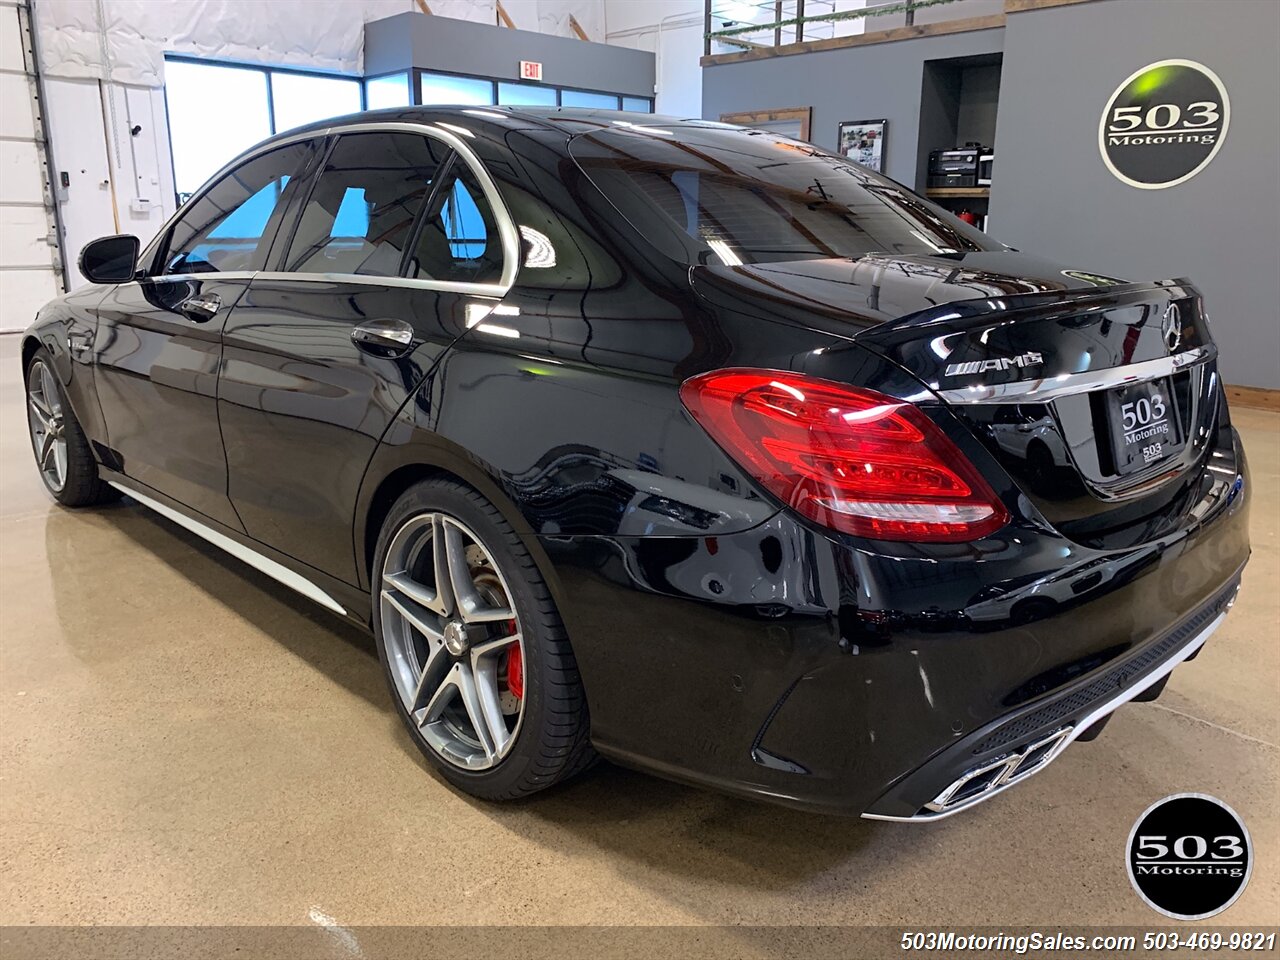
(361, 210)
(459, 239)
(231, 226)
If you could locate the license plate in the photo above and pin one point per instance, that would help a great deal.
(1144, 423)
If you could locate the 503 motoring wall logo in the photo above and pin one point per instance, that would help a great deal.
(1189, 856)
(1164, 124)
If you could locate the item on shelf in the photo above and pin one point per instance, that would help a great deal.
(985, 162)
(862, 141)
(968, 217)
(955, 168)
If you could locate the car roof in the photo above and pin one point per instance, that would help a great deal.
(571, 120)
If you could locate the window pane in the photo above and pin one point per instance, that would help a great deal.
(298, 98)
(581, 98)
(459, 241)
(232, 225)
(637, 104)
(205, 97)
(389, 91)
(437, 88)
(526, 95)
(361, 210)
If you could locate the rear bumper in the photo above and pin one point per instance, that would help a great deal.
(1015, 747)
(783, 664)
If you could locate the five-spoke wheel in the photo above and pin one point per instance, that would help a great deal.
(474, 650)
(47, 425)
(453, 640)
(66, 462)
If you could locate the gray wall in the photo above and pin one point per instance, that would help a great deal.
(857, 83)
(976, 110)
(1052, 194)
(459, 46)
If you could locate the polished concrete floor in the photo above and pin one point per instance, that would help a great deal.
(182, 741)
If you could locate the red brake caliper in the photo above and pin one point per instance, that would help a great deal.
(515, 669)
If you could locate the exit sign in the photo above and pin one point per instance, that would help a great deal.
(530, 70)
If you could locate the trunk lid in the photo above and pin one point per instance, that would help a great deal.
(1097, 398)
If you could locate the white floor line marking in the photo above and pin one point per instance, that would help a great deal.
(1216, 726)
(345, 937)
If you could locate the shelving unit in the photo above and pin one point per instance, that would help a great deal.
(958, 102)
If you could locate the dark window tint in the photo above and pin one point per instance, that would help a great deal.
(459, 241)
(231, 226)
(727, 196)
(361, 211)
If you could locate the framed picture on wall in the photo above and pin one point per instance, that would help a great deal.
(788, 121)
(862, 141)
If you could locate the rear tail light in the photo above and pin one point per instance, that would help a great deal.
(850, 459)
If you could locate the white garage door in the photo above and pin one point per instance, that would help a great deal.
(30, 271)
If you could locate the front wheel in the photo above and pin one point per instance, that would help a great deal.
(474, 651)
(62, 451)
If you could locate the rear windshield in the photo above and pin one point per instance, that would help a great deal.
(722, 195)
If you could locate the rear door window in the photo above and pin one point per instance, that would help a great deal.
(360, 214)
(459, 240)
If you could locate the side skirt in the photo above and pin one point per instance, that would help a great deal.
(254, 557)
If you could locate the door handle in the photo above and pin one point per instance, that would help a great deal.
(383, 338)
(201, 308)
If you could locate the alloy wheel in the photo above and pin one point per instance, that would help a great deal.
(453, 641)
(47, 425)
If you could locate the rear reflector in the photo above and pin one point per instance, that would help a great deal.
(848, 458)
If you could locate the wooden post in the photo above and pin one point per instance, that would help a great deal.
(706, 30)
(799, 21)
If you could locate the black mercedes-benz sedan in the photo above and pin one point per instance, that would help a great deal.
(687, 445)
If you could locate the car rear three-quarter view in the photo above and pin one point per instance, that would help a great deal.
(690, 446)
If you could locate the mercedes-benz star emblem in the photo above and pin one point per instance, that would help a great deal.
(1171, 327)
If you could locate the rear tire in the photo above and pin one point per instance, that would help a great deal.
(501, 713)
(63, 455)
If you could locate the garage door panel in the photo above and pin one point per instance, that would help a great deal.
(22, 293)
(15, 107)
(11, 57)
(24, 239)
(20, 173)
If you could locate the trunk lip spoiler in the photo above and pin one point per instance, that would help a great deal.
(1045, 389)
(1045, 304)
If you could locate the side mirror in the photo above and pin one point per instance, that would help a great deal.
(110, 259)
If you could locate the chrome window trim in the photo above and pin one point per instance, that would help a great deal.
(496, 291)
(508, 235)
(1043, 390)
(1069, 736)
